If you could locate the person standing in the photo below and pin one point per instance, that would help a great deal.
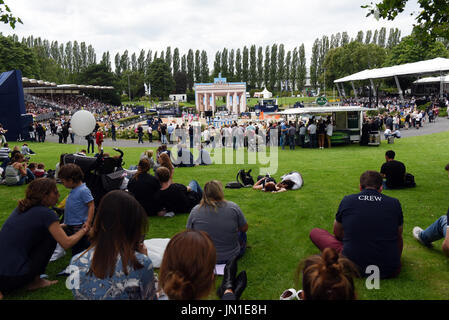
(291, 136)
(72, 135)
(150, 133)
(65, 132)
(140, 134)
(99, 139)
(113, 132)
(312, 133)
(163, 133)
(321, 131)
(59, 132)
(329, 132)
(302, 134)
(90, 142)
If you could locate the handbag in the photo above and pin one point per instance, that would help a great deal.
(113, 181)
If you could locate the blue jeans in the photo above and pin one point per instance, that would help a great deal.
(435, 231)
(195, 186)
(292, 142)
(26, 179)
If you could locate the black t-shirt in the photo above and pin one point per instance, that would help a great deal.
(370, 222)
(20, 235)
(144, 188)
(394, 173)
(321, 128)
(176, 198)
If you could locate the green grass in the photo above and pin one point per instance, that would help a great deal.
(279, 224)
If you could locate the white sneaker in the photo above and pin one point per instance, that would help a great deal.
(417, 235)
(289, 294)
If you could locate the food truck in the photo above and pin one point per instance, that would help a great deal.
(347, 120)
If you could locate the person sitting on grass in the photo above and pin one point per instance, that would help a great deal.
(367, 228)
(187, 270)
(26, 150)
(393, 172)
(164, 161)
(328, 276)
(40, 171)
(144, 186)
(79, 206)
(148, 154)
(116, 265)
(18, 173)
(204, 158)
(29, 236)
(175, 197)
(436, 231)
(223, 220)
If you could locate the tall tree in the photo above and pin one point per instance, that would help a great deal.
(184, 64)
(83, 53)
(204, 67)
(294, 69)
(238, 66)
(359, 37)
(252, 67)
(231, 69)
(190, 69)
(217, 64)
(141, 62)
(266, 67)
(376, 35)
(124, 61)
(161, 79)
(106, 60)
(302, 69)
(344, 38)
(245, 65)
(382, 37)
(176, 61)
(76, 57)
(314, 64)
(281, 67)
(288, 66)
(368, 36)
(259, 67)
(168, 58)
(91, 56)
(197, 66)
(224, 63)
(118, 70)
(134, 62)
(273, 66)
(148, 60)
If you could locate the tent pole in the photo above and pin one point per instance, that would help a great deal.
(441, 85)
(353, 88)
(399, 87)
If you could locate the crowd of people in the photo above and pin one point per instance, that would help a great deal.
(113, 263)
(107, 241)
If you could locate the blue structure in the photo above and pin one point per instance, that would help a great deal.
(12, 105)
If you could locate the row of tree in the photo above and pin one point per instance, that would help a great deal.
(272, 67)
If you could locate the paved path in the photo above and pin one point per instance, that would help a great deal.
(442, 124)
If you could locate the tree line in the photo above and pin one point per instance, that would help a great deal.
(170, 71)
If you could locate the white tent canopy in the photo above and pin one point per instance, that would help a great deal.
(436, 65)
(312, 110)
(445, 79)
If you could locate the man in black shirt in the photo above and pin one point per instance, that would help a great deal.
(367, 228)
(393, 171)
(175, 197)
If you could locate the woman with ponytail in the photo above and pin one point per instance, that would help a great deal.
(328, 276)
(28, 238)
(144, 186)
(116, 266)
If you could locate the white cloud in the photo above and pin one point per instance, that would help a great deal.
(115, 25)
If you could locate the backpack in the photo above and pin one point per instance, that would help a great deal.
(409, 181)
(245, 178)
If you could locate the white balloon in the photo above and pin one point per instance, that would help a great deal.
(83, 123)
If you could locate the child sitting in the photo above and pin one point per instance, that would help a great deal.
(40, 171)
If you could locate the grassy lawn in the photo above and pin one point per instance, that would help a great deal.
(279, 224)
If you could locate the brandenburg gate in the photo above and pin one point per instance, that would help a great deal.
(235, 93)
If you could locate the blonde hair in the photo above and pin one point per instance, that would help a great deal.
(149, 153)
(212, 194)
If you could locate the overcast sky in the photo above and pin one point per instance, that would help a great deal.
(117, 25)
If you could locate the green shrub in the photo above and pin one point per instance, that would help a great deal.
(442, 113)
